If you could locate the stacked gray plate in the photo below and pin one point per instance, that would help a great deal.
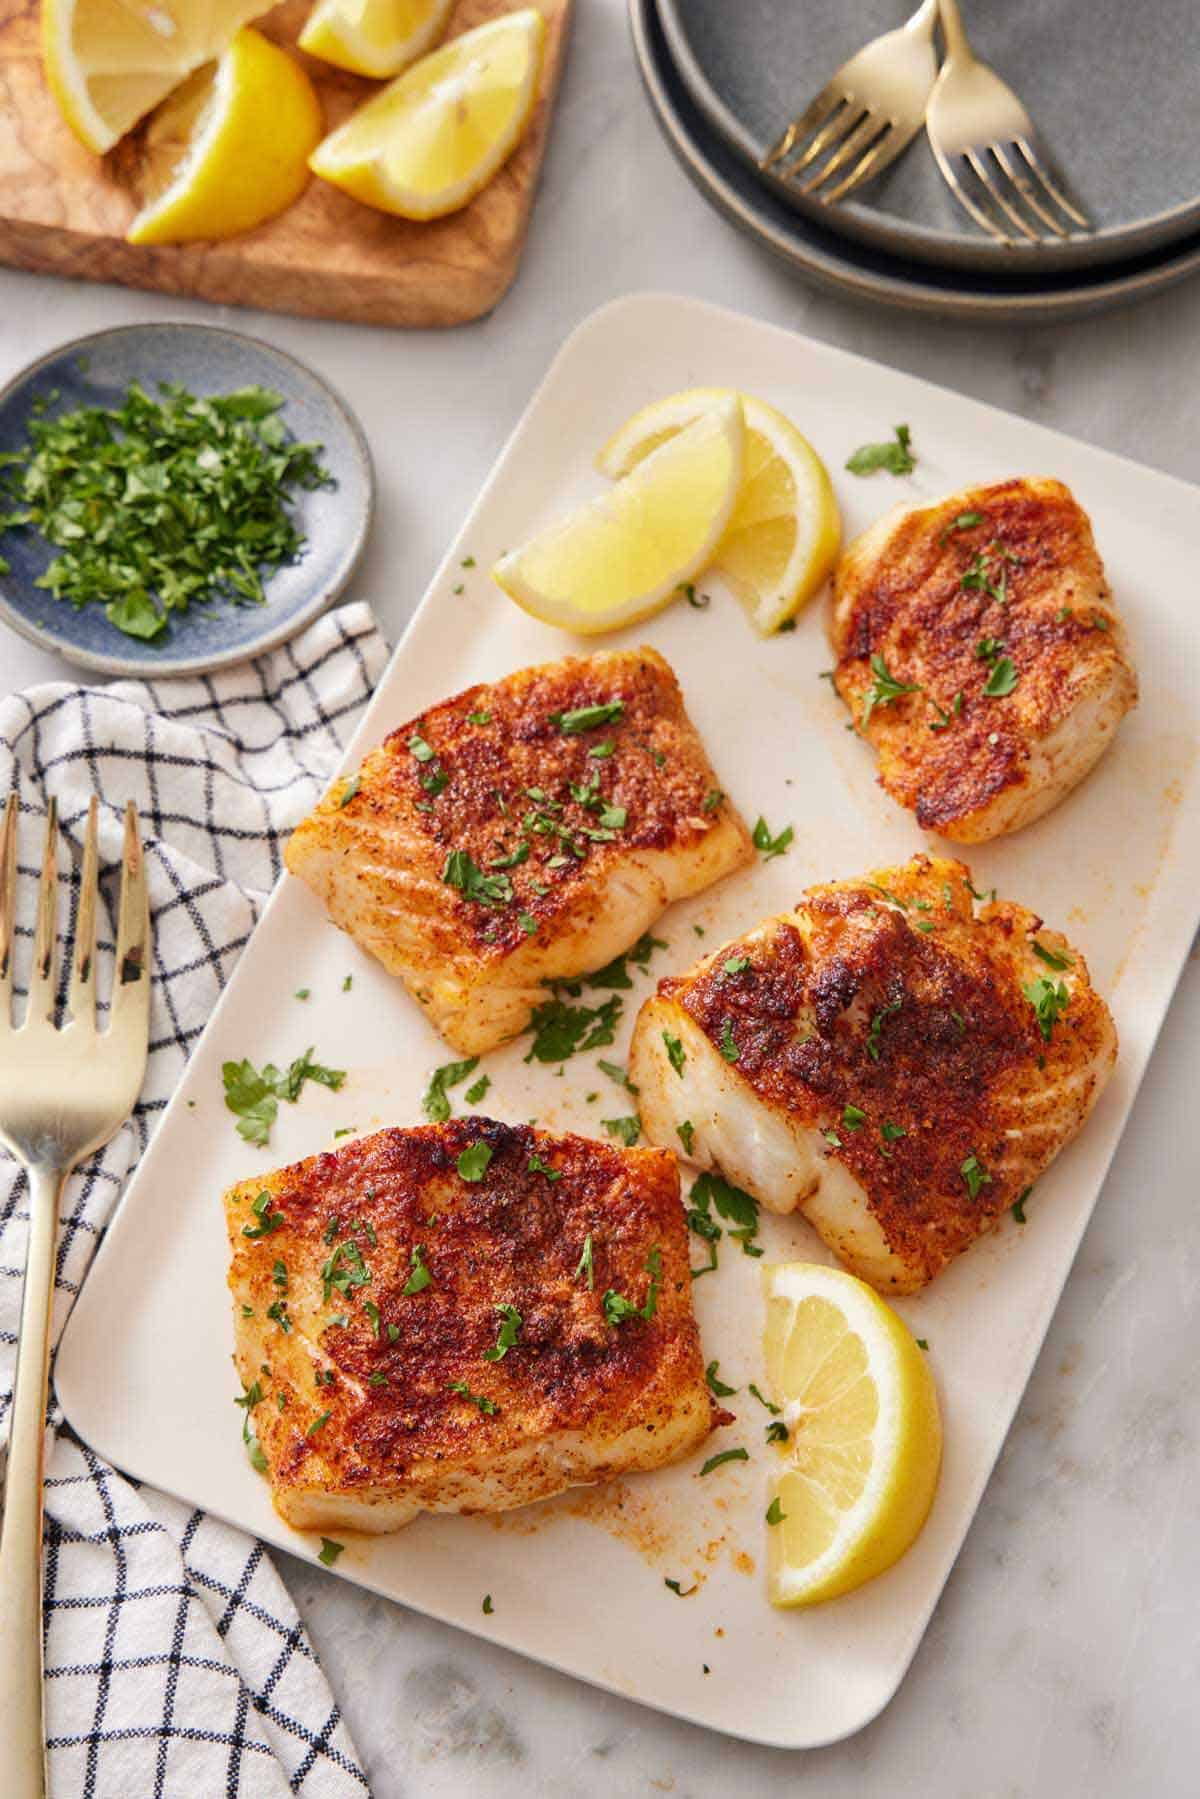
(1115, 88)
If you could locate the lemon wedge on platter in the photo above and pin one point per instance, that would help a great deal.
(230, 147)
(626, 554)
(860, 1464)
(373, 37)
(437, 134)
(783, 539)
(110, 62)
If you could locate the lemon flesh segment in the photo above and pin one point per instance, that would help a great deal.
(230, 147)
(860, 1465)
(373, 37)
(783, 538)
(437, 134)
(110, 62)
(622, 556)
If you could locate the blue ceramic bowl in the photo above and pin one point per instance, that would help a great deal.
(97, 371)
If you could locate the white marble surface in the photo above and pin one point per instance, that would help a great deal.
(1063, 1659)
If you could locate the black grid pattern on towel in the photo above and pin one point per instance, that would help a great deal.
(176, 1663)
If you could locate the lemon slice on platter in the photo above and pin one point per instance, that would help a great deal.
(624, 555)
(373, 37)
(230, 147)
(864, 1445)
(110, 62)
(783, 538)
(437, 134)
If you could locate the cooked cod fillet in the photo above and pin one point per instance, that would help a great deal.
(521, 833)
(892, 1062)
(374, 1285)
(991, 609)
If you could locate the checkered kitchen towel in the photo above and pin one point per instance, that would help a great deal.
(176, 1664)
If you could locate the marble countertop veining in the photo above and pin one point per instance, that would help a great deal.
(1064, 1657)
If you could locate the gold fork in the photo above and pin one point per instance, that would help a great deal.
(864, 116)
(63, 1094)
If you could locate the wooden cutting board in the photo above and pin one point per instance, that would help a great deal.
(64, 211)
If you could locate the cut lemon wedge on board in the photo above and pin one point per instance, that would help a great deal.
(373, 37)
(783, 538)
(110, 62)
(864, 1445)
(622, 556)
(437, 134)
(230, 147)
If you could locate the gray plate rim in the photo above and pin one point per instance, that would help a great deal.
(273, 635)
(830, 271)
(898, 237)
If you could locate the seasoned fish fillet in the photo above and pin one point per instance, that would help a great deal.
(522, 833)
(894, 1063)
(991, 611)
(373, 1287)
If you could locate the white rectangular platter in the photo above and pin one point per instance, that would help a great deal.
(580, 1582)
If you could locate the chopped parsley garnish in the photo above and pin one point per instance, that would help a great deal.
(510, 1330)
(277, 1312)
(560, 1030)
(537, 1166)
(777, 1431)
(979, 578)
(775, 1512)
(479, 718)
(420, 1277)
(344, 1270)
(853, 1117)
(923, 1343)
(891, 1133)
(975, 1175)
(1018, 1205)
(726, 1043)
(474, 1094)
(436, 1101)
(942, 721)
(896, 457)
(966, 521)
(737, 964)
(419, 748)
(893, 899)
(1002, 679)
(254, 1450)
(618, 1309)
(330, 1550)
(699, 600)
(771, 846)
(628, 1130)
(268, 1220)
(988, 649)
(318, 1423)
(1049, 1000)
(348, 791)
(158, 504)
(248, 1399)
(472, 1164)
(616, 1073)
(488, 1608)
(1053, 957)
(724, 1455)
(583, 1268)
(712, 800)
(773, 1409)
(487, 1406)
(678, 1587)
(676, 1054)
(528, 923)
(372, 1312)
(686, 1132)
(716, 1385)
(487, 890)
(254, 1094)
(874, 1035)
(738, 1209)
(884, 689)
(831, 1137)
(588, 718)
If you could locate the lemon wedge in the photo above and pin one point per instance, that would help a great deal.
(230, 147)
(783, 538)
(624, 555)
(437, 134)
(373, 37)
(110, 62)
(864, 1434)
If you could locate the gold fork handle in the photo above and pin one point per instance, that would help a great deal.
(22, 1729)
(953, 30)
